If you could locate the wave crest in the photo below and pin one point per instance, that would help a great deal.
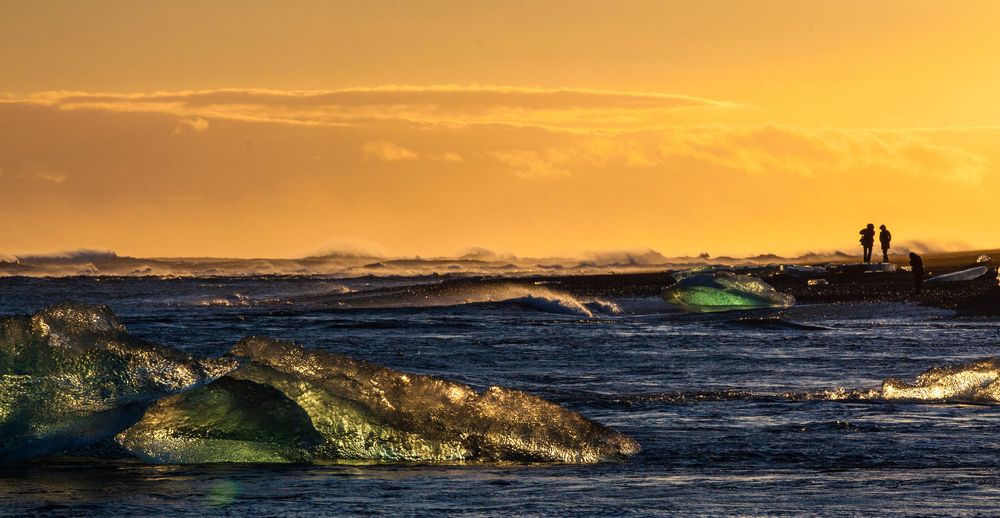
(533, 297)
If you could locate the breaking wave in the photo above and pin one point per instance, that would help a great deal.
(544, 300)
(358, 263)
(533, 297)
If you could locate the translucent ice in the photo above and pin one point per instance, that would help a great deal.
(724, 291)
(71, 375)
(361, 411)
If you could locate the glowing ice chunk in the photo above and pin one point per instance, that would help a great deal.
(229, 420)
(974, 381)
(724, 292)
(337, 408)
(70, 375)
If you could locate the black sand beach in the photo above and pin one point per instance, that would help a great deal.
(851, 284)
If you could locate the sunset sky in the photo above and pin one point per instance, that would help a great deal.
(282, 129)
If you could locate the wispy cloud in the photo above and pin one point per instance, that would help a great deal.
(387, 152)
(535, 164)
(757, 150)
(42, 175)
(196, 124)
(443, 104)
(124, 173)
(775, 149)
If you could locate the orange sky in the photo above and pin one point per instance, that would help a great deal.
(536, 128)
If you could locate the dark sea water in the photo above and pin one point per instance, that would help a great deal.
(734, 417)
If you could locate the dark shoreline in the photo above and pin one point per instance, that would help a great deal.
(977, 297)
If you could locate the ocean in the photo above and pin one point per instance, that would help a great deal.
(767, 412)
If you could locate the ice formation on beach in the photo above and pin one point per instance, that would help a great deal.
(974, 381)
(362, 411)
(961, 275)
(71, 375)
(230, 420)
(977, 381)
(724, 291)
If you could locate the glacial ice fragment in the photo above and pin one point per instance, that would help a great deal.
(978, 380)
(704, 269)
(371, 413)
(724, 291)
(71, 375)
(968, 274)
(229, 420)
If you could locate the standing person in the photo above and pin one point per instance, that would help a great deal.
(884, 237)
(868, 241)
(918, 272)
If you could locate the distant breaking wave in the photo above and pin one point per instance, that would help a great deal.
(352, 265)
(532, 297)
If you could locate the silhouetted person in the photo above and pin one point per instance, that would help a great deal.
(884, 237)
(868, 241)
(918, 271)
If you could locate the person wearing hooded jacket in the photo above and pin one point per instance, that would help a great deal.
(884, 238)
(868, 241)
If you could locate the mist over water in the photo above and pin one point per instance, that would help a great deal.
(812, 409)
(357, 263)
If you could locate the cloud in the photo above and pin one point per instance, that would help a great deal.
(40, 175)
(465, 98)
(775, 149)
(447, 104)
(449, 157)
(757, 150)
(535, 164)
(392, 152)
(196, 124)
(387, 152)
(683, 189)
